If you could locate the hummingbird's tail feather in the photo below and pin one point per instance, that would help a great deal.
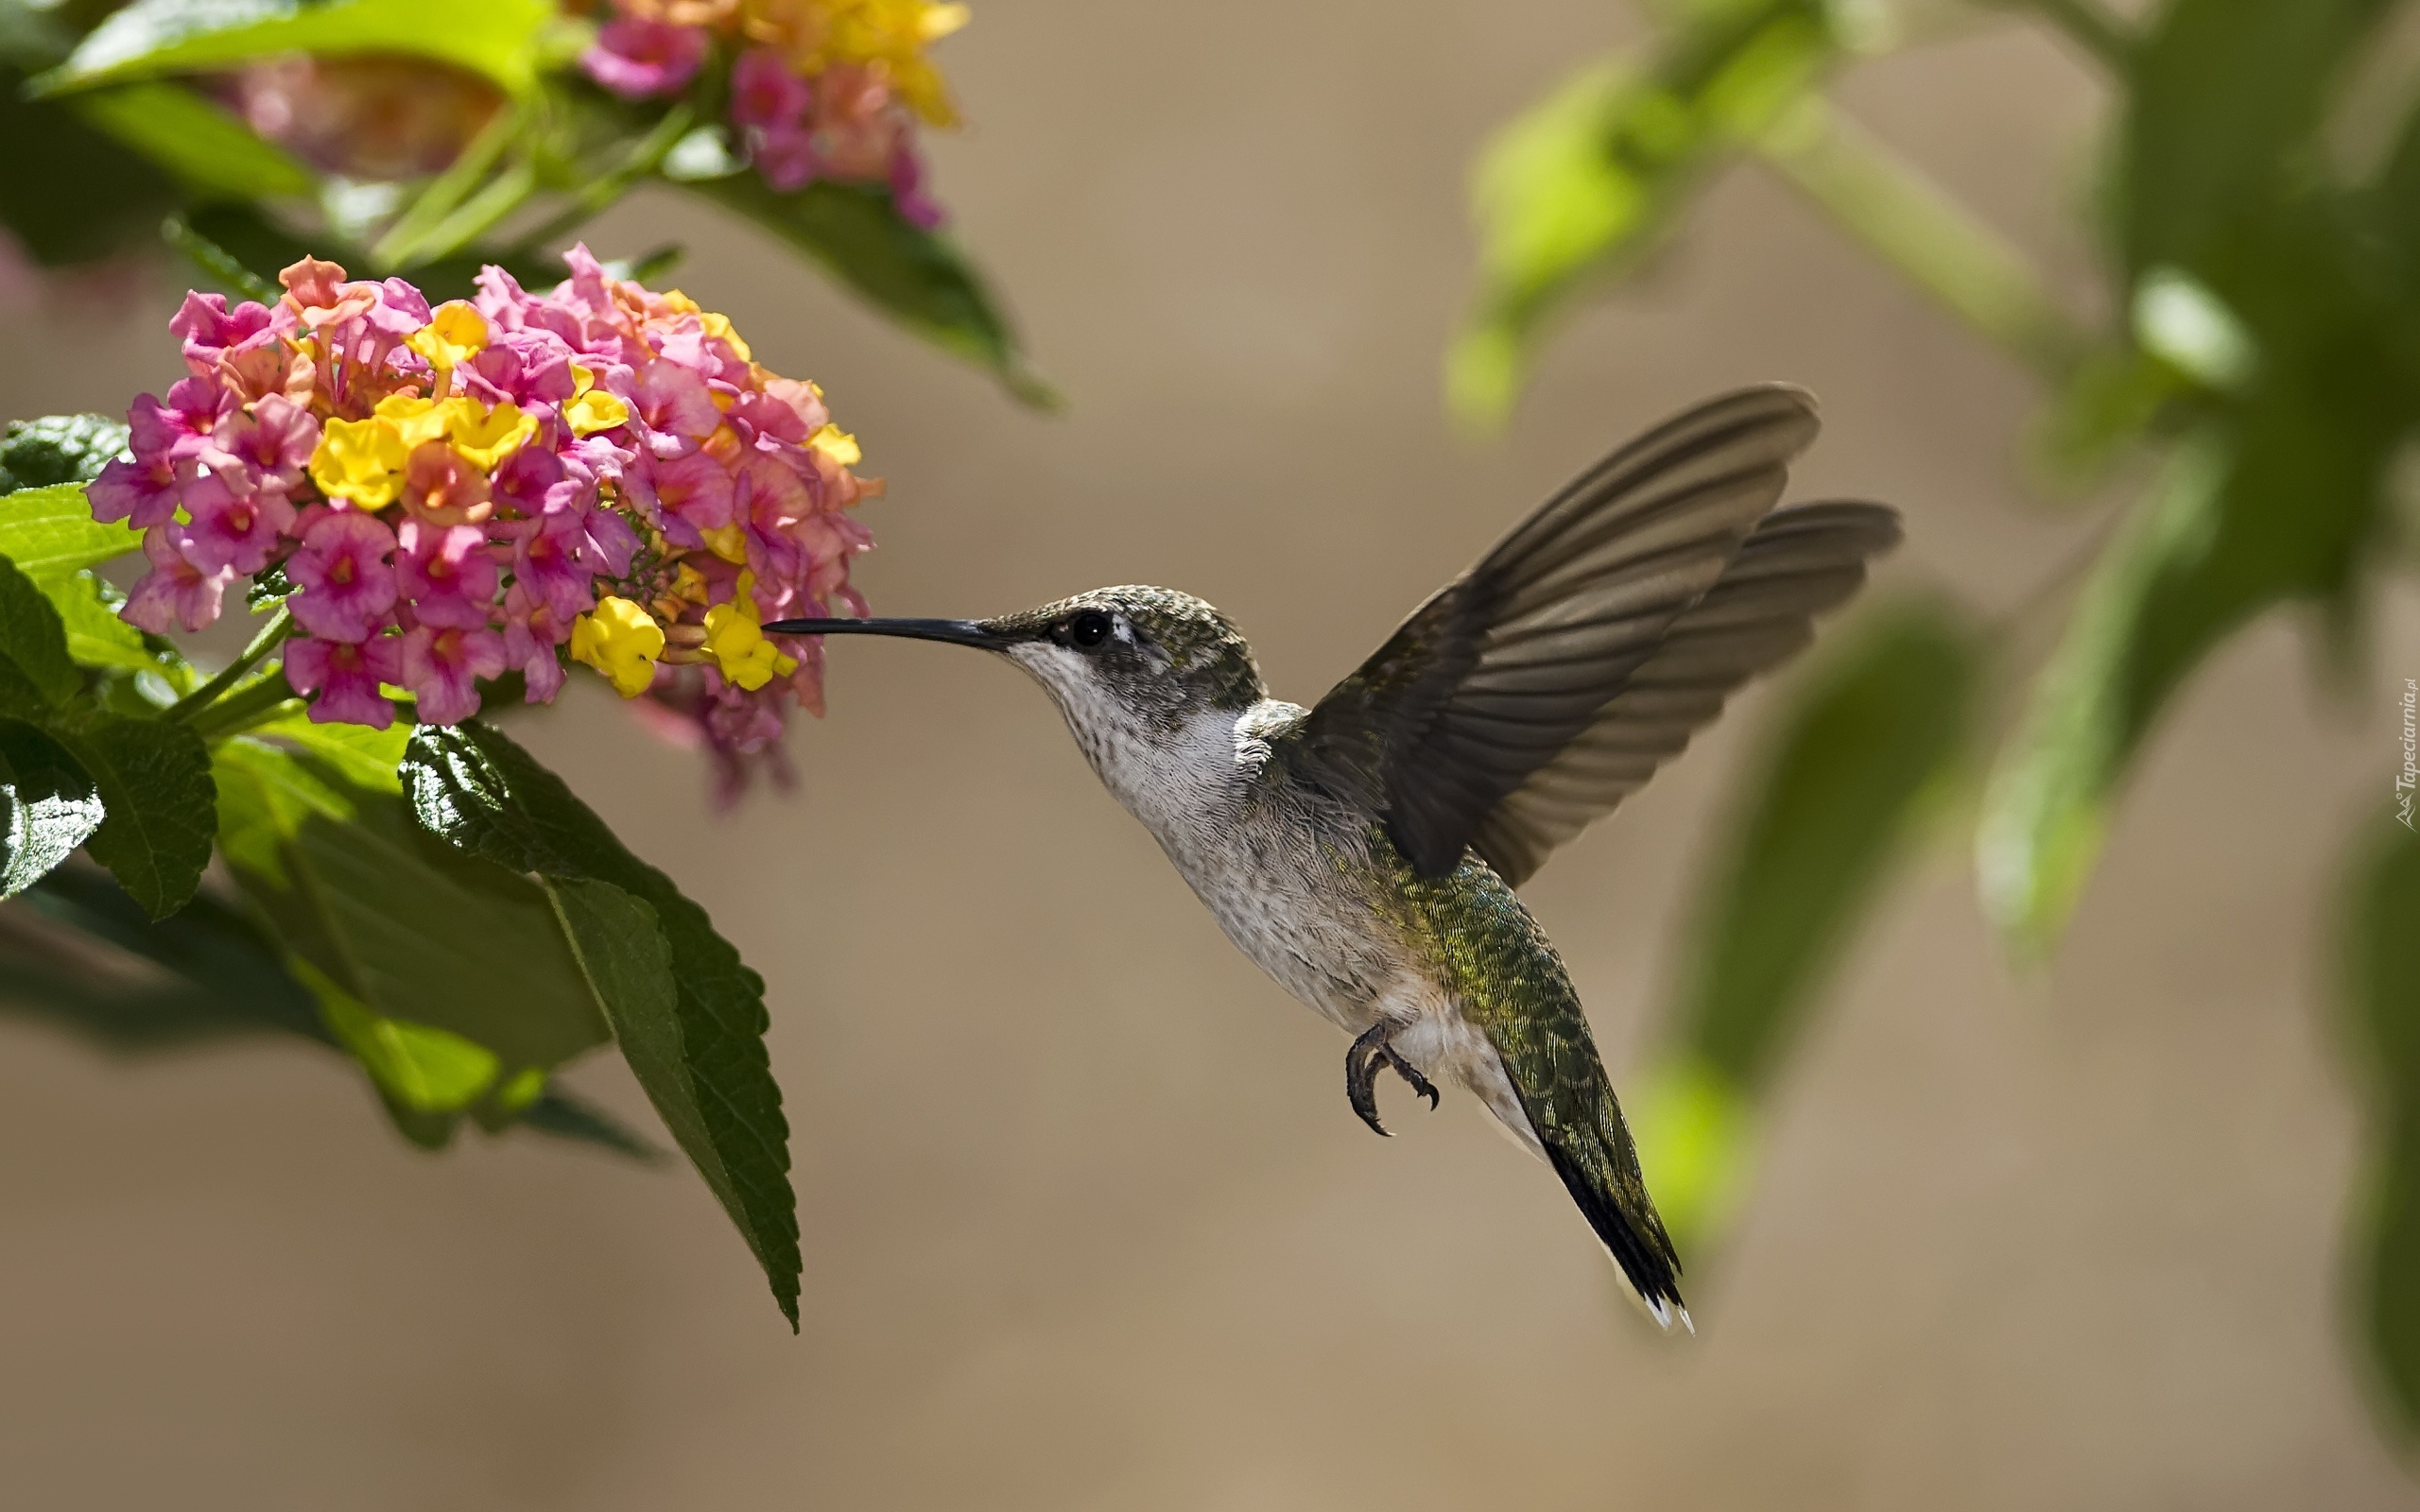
(1599, 1168)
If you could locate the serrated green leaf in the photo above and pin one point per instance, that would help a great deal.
(497, 37)
(408, 928)
(200, 146)
(1844, 773)
(1576, 190)
(476, 788)
(918, 278)
(58, 449)
(50, 532)
(88, 608)
(154, 778)
(48, 806)
(31, 638)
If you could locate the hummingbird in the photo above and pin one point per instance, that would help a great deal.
(1364, 852)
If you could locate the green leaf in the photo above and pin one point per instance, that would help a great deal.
(1880, 728)
(154, 778)
(2225, 95)
(367, 757)
(201, 146)
(704, 1063)
(96, 636)
(50, 532)
(497, 37)
(2273, 507)
(217, 975)
(1575, 191)
(48, 806)
(413, 949)
(58, 449)
(32, 640)
(917, 276)
(2380, 1004)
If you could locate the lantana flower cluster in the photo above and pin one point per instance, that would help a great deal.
(819, 89)
(596, 472)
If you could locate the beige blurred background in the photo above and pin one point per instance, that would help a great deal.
(1087, 1222)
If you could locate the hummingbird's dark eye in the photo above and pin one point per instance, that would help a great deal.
(1089, 629)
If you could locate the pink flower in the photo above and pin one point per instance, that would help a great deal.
(908, 194)
(786, 156)
(639, 60)
(227, 528)
(209, 328)
(144, 494)
(346, 674)
(532, 481)
(446, 573)
(174, 590)
(765, 94)
(532, 630)
(549, 565)
(675, 405)
(441, 487)
(276, 440)
(694, 489)
(443, 665)
(347, 587)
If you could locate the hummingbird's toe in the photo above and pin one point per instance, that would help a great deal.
(1421, 1085)
(1362, 1060)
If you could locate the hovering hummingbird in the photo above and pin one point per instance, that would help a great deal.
(1364, 853)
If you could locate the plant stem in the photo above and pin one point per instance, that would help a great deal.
(641, 160)
(261, 702)
(280, 625)
(446, 192)
(1930, 238)
(508, 191)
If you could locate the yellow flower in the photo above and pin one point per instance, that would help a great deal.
(620, 640)
(415, 419)
(594, 411)
(837, 444)
(720, 326)
(455, 334)
(736, 636)
(729, 542)
(486, 437)
(361, 460)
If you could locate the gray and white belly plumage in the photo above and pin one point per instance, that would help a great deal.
(1289, 875)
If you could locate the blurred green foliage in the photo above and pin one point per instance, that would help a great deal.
(117, 120)
(2262, 349)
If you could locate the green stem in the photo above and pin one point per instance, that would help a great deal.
(263, 702)
(280, 625)
(641, 160)
(2090, 27)
(446, 192)
(1930, 238)
(508, 191)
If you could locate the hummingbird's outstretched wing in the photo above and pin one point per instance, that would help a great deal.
(1528, 696)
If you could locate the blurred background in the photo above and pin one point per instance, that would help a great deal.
(1086, 1221)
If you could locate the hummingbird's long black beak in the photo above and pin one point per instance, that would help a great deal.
(957, 632)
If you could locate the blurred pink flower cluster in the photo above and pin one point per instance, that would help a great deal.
(597, 473)
(818, 89)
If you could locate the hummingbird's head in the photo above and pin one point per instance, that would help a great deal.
(1131, 668)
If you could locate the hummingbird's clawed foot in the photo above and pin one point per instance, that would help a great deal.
(1373, 1049)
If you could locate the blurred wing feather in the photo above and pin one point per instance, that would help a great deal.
(1517, 705)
